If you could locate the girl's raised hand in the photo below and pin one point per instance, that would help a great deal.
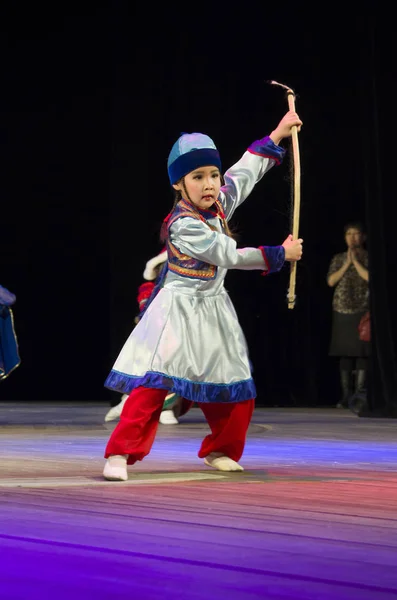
(284, 128)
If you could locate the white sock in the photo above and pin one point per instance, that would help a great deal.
(221, 462)
(115, 412)
(167, 417)
(116, 468)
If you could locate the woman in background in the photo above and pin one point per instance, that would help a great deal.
(348, 274)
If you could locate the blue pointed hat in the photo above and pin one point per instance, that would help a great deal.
(191, 151)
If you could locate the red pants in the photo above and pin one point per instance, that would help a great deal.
(135, 433)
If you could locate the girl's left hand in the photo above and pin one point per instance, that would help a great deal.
(293, 249)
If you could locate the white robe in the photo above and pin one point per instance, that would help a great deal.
(189, 340)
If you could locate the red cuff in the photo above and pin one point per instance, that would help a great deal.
(262, 249)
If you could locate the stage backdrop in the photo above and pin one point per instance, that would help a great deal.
(92, 109)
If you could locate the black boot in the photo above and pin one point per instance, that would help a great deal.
(360, 387)
(347, 390)
(358, 402)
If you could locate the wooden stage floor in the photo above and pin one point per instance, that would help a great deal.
(313, 516)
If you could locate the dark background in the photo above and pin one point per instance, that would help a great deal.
(92, 101)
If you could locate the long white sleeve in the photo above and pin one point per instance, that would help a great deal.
(242, 177)
(194, 238)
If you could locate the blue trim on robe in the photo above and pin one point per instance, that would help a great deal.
(195, 391)
(267, 149)
(274, 257)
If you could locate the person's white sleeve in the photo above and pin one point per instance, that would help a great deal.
(194, 238)
(242, 177)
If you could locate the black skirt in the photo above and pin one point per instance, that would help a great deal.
(345, 340)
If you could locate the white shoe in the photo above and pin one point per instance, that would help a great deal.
(115, 412)
(222, 462)
(167, 417)
(116, 468)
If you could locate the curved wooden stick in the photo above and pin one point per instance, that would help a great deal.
(297, 190)
(297, 198)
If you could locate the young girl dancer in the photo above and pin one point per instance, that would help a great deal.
(189, 340)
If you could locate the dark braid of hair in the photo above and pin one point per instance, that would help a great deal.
(177, 198)
(164, 227)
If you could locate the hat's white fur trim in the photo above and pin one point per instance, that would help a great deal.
(149, 273)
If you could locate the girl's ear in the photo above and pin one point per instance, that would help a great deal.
(177, 186)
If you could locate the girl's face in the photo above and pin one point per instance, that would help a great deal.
(201, 186)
